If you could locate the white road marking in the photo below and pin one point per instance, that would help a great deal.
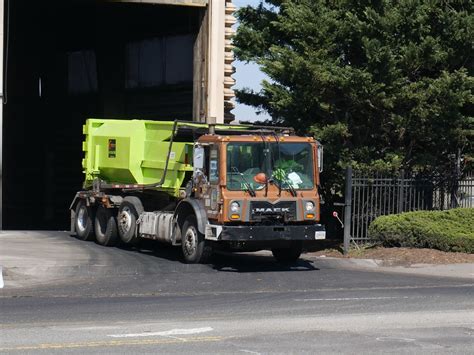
(167, 333)
(422, 344)
(347, 299)
(1, 278)
(408, 340)
(250, 352)
(104, 327)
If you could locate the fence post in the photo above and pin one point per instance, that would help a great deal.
(455, 186)
(401, 191)
(347, 209)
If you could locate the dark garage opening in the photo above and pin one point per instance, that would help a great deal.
(69, 60)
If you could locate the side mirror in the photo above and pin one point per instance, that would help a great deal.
(320, 157)
(198, 157)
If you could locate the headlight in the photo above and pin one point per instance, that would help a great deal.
(309, 206)
(234, 207)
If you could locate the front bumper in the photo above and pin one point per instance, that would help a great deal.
(269, 233)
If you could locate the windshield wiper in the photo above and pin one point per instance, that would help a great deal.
(250, 190)
(290, 186)
(284, 178)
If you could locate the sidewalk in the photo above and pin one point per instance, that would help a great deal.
(30, 258)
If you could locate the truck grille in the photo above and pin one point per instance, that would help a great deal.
(260, 210)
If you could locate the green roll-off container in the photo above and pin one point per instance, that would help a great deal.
(135, 152)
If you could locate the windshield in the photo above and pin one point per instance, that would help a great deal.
(287, 164)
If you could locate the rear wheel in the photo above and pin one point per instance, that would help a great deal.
(127, 218)
(288, 255)
(195, 248)
(83, 223)
(105, 227)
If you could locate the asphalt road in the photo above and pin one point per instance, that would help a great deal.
(109, 300)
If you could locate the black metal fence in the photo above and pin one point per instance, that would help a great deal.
(374, 195)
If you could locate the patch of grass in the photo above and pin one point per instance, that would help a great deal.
(360, 251)
(451, 230)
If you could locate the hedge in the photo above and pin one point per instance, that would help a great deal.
(451, 230)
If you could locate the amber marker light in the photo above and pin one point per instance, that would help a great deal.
(235, 216)
(310, 215)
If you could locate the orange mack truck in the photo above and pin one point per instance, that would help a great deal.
(203, 187)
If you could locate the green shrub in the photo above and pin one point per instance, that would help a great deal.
(451, 230)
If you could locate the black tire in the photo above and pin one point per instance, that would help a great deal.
(288, 255)
(105, 227)
(127, 217)
(196, 250)
(83, 223)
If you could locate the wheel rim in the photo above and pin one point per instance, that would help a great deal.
(190, 240)
(81, 219)
(125, 220)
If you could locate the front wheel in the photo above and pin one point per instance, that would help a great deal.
(127, 218)
(288, 255)
(196, 250)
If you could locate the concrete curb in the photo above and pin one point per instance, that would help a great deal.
(460, 271)
(464, 270)
(345, 262)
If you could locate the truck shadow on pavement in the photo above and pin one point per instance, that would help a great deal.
(248, 262)
(224, 261)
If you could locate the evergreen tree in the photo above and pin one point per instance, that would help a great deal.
(383, 84)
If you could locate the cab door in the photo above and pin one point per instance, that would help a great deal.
(214, 189)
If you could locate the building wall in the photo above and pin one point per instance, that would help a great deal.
(41, 130)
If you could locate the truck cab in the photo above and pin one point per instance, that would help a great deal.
(259, 191)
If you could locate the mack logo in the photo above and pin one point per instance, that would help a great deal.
(261, 210)
(272, 210)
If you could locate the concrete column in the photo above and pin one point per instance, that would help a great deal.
(216, 48)
(1, 109)
(200, 67)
